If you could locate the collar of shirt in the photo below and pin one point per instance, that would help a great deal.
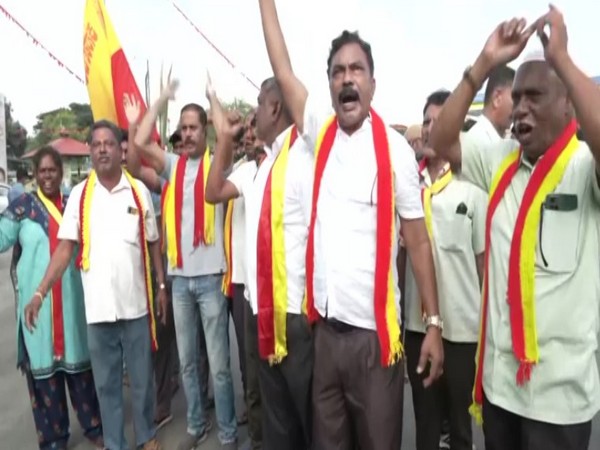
(122, 184)
(489, 127)
(273, 150)
(426, 179)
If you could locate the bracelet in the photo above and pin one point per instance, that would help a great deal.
(39, 294)
(468, 77)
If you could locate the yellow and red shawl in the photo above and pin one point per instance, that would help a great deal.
(271, 274)
(545, 178)
(386, 318)
(204, 213)
(55, 210)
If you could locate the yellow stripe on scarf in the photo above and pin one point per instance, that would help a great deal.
(227, 233)
(85, 218)
(530, 230)
(209, 210)
(170, 228)
(428, 192)
(280, 285)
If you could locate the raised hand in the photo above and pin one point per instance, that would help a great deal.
(552, 31)
(507, 41)
(169, 90)
(210, 90)
(231, 124)
(132, 108)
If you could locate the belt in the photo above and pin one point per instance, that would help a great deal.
(339, 327)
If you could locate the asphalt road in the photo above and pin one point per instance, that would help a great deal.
(17, 431)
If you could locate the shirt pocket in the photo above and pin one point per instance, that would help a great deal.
(452, 230)
(130, 228)
(558, 237)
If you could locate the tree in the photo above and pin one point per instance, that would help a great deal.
(16, 134)
(73, 121)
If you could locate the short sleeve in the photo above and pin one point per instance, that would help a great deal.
(406, 173)
(170, 162)
(479, 214)
(150, 225)
(242, 175)
(314, 119)
(69, 227)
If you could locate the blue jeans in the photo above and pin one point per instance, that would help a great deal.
(110, 344)
(202, 295)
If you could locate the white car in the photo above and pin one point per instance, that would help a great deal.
(4, 188)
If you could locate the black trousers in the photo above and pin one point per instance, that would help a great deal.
(505, 430)
(253, 397)
(451, 395)
(237, 304)
(165, 362)
(286, 391)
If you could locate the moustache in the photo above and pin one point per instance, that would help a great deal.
(348, 93)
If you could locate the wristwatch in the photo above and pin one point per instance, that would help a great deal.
(434, 321)
(468, 77)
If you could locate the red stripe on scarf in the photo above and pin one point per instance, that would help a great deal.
(199, 236)
(58, 327)
(385, 221)
(163, 198)
(320, 164)
(264, 278)
(495, 200)
(180, 175)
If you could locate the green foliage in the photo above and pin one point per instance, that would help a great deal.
(74, 121)
(16, 134)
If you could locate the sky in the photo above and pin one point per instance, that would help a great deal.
(418, 46)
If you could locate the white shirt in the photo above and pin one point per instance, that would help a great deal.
(346, 222)
(244, 170)
(458, 229)
(114, 287)
(296, 217)
(484, 131)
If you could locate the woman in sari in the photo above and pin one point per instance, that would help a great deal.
(54, 355)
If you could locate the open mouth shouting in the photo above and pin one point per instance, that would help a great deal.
(348, 99)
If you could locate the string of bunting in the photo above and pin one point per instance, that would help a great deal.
(233, 66)
(39, 44)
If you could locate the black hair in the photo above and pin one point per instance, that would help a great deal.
(437, 98)
(175, 137)
(199, 110)
(350, 37)
(271, 86)
(501, 76)
(47, 150)
(104, 124)
(124, 135)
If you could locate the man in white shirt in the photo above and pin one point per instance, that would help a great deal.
(455, 217)
(357, 383)
(197, 271)
(285, 383)
(496, 116)
(537, 384)
(115, 283)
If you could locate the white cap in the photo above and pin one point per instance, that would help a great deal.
(533, 56)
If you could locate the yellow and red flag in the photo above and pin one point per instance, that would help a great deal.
(107, 72)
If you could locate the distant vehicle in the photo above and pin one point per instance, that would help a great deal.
(4, 188)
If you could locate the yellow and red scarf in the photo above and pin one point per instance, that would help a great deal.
(55, 210)
(386, 319)
(204, 213)
(227, 285)
(83, 258)
(271, 275)
(427, 193)
(544, 179)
